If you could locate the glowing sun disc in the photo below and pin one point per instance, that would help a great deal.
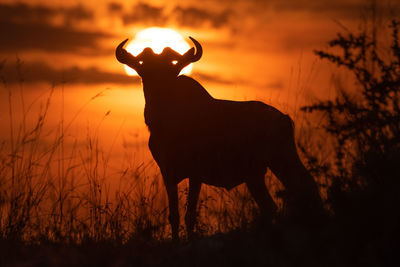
(157, 39)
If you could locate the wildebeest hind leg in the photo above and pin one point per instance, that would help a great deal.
(261, 195)
(302, 199)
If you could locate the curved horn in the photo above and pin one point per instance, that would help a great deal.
(125, 57)
(199, 50)
(190, 55)
(120, 52)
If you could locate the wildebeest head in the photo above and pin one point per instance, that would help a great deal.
(167, 64)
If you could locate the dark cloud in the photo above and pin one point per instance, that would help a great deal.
(31, 72)
(144, 13)
(338, 9)
(198, 17)
(24, 14)
(190, 16)
(333, 8)
(24, 27)
(18, 37)
(278, 84)
(38, 71)
(76, 13)
(114, 7)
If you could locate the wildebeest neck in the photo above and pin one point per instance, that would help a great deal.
(158, 90)
(162, 105)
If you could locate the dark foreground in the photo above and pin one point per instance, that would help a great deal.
(275, 246)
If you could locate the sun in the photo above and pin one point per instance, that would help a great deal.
(157, 39)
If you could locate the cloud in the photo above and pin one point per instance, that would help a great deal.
(76, 13)
(197, 17)
(39, 14)
(18, 37)
(37, 71)
(339, 9)
(144, 13)
(114, 7)
(278, 84)
(25, 27)
(189, 16)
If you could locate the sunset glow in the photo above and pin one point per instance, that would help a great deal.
(157, 39)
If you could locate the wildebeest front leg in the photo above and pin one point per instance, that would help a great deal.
(260, 193)
(191, 213)
(172, 191)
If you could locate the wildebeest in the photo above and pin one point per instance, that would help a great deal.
(217, 142)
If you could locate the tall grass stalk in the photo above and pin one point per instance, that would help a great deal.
(56, 188)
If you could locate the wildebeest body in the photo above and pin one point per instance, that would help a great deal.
(218, 142)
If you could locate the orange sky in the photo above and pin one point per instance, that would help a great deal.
(245, 41)
(253, 49)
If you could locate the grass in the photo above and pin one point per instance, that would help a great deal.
(57, 189)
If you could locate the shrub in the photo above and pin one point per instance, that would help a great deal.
(364, 126)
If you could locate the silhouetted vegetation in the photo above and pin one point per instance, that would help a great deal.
(364, 126)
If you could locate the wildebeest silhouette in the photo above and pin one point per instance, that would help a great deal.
(217, 142)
